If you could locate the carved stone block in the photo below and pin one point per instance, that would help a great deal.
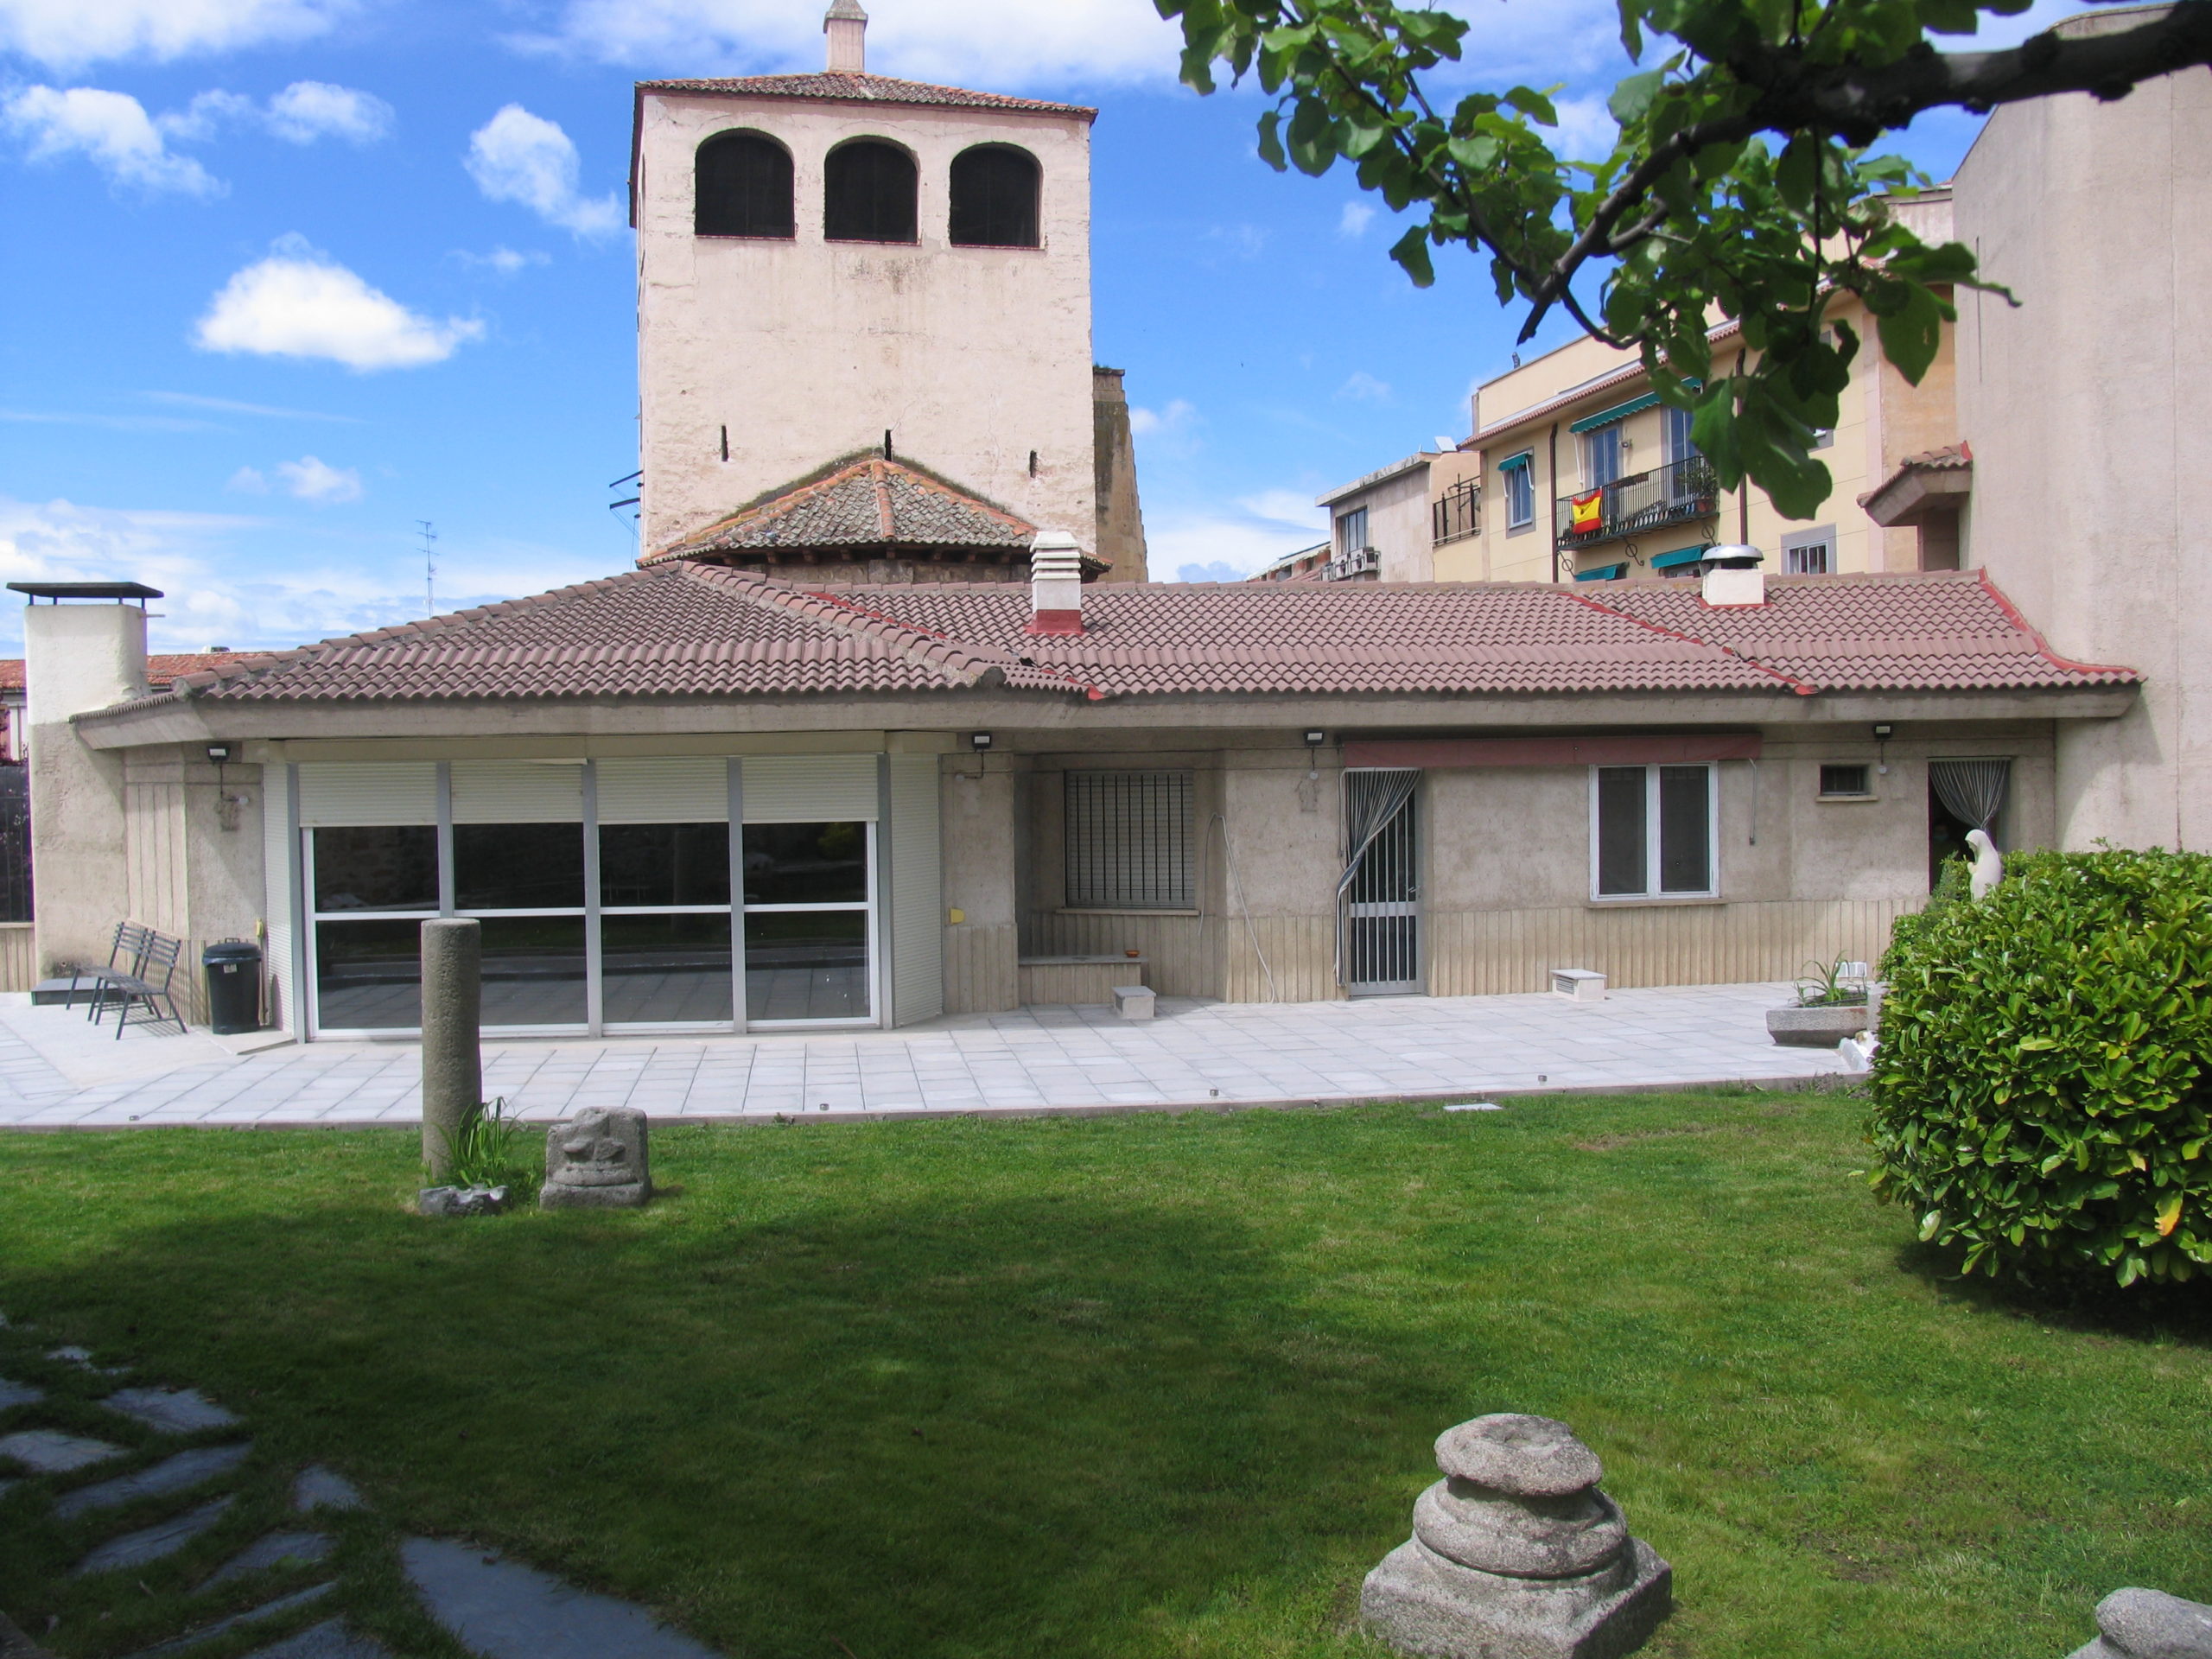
(597, 1161)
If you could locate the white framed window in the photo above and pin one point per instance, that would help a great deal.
(1601, 456)
(1651, 832)
(1351, 531)
(1809, 552)
(1129, 840)
(1518, 477)
(1679, 444)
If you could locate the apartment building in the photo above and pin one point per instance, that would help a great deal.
(1584, 475)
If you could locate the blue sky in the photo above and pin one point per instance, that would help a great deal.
(282, 278)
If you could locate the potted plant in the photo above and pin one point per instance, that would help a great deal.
(1832, 1004)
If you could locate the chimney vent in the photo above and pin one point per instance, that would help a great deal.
(1055, 583)
(1732, 576)
(847, 28)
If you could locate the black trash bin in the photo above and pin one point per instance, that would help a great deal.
(233, 986)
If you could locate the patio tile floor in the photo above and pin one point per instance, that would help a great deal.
(1194, 1054)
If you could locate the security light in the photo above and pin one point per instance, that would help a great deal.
(1315, 739)
(1883, 734)
(218, 752)
(979, 740)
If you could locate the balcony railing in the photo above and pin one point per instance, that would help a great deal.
(1665, 495)
(1457, 513)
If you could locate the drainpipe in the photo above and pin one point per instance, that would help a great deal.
(1551, 495)
(1744, 487)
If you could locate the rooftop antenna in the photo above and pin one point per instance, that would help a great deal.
(430, 567)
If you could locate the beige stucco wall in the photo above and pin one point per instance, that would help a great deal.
(194, 854)
(807, 350)
(2093, 465)
(78, 657)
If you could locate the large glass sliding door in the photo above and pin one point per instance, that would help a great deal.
(524, 883)
(809, 890)
(664, 924)
(369, 888)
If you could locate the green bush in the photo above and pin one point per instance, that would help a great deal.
(2041, 1089)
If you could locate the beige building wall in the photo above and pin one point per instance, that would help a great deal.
(1399, 501)
(806, 350)
(2093, 462)
(78, 657)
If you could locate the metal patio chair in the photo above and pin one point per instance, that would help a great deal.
(126, 958)
(150, 985)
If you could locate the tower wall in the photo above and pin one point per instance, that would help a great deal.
(806, 350)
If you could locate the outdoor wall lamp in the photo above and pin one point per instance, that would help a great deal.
(1315, 739)
(218, 752)
(979, 741)
(1882, 735)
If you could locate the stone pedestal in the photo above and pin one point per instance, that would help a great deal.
(1516, 1554)
(453, 1066)
(2150, 1624)
(597, 1161)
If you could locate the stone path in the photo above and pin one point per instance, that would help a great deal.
(168, 1516)
(1195, 1054)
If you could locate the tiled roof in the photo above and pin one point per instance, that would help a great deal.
(863, 89)
(684, 629)
(864, 502)
(1931, 630)
(162, 668)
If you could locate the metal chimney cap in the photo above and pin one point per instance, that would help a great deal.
(1734, 555)
(60, 590)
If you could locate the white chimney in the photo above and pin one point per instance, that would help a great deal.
(1732, 576)
(847, 28)
(1055, 583)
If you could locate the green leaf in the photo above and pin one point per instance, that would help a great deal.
(1411, 250)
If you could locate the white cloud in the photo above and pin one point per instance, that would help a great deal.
(1178, 416)
(67, 33)
(506, 262)
(232, 406)
(298, 303)
(1357, 217)
(520, 157)
(1229, 546)
(1362, 387)
(308, 109)
(989, 43)
(310, 480)
(110, 130)
(1293, 507)
(248, 481)
(1586, 129)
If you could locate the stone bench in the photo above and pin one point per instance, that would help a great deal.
(1078, 981)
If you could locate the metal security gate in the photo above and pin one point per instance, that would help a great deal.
(1379, 928)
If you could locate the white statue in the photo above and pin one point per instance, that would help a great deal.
(1988, 863)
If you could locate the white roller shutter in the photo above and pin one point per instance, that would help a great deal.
(917, 891)
(810, 789)
(369, 792)
(279, 850)
(517, 791)
(684, 789)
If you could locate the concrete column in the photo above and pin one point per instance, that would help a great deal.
(452, 1065)
(981, 906)
(78, 658)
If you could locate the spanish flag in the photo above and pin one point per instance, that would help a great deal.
(1586, 512)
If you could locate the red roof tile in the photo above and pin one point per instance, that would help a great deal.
(863, 89)
(162, 668)
(681, 629)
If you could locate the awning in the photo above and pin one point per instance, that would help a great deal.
(1622, 411)
(1526, 458)
(1603, 573)
(1679, 557)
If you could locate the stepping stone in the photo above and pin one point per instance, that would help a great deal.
(18, 1394)
(82, 1358)
(152, 1543)
(49, 1451)
(319, 1487)
(6, 1484)
(499, 1610)
(274, 1550)
(209, 1632)
(328, 1640)
(186, 1469)
(170, 1411)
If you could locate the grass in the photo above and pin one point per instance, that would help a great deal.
(1142, 1385)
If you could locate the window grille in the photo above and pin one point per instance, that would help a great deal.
(743, 186)
(1129, 841)
(1846, 780)
(994, 198)
(869, 189)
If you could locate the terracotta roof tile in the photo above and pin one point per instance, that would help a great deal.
(683, 629)
(867, 502)
(863, 89)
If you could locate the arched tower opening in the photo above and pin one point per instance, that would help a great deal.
(743, 187)
(869, 187)
(995, 191)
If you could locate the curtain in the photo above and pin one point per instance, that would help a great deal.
(1971, 790)
(1371, 800)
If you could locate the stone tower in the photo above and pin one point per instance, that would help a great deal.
(842, 266)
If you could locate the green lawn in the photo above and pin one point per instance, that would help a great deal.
(1140, 1385)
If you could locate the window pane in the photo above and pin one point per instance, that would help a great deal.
(1685, 830)
(663, 864)
(368, 976)
(1129, 840)
(534, 970)
(393, 868)
(517, 866)
(1604, 452)
(806, 965)
(1520, 495)
(805, 863)
(1620, 830)
(658, 969)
